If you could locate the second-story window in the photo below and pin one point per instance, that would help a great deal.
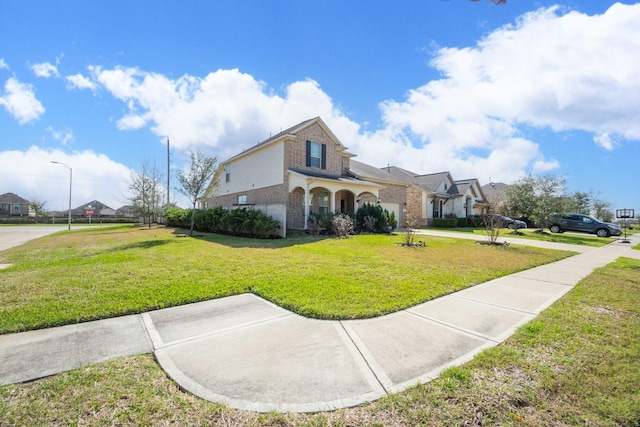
(316, 155)
(227, 173)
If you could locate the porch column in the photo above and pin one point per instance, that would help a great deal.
(306, 206)
(332, 202)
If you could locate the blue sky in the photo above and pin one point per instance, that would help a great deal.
(485, 91)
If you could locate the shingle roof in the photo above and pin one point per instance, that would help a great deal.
(13, 198)
(493, 190)
(432, 181)
(365, 171)
(290, 131)
(95, 204)
(332, 177)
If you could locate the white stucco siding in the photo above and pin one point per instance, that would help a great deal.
(263, 168)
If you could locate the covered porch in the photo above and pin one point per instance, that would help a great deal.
(314, 193)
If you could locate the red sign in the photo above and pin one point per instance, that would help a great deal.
(89, 212)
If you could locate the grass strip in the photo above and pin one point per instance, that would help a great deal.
(533, 234)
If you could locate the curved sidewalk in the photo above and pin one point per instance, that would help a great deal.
(253, 355)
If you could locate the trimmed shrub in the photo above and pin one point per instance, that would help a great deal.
(238, 222)
(445, 222)
(374, 219)
(472, 221)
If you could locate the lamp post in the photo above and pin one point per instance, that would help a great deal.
(70, 181)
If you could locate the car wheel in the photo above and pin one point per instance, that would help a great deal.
(511, 226)
(555, 229)
(603, 232)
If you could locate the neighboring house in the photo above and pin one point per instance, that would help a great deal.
(127, 211)
(306, 170)
(494, 191)
(99, 210)
(13, 205)
(429, 196)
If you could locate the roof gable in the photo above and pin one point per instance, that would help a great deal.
(434, 181)
(13, 198)
(290, 133)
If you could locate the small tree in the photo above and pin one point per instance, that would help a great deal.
(147, 193)
(602, 209)
(198, 180)
(38, 207)
(410, 232)
(581, 202)
(493, 225)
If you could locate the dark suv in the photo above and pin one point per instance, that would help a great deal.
(583, 223)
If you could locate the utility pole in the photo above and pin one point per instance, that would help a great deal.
(168, 174)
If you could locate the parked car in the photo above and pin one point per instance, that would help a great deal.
(505, 221)
(583, 223)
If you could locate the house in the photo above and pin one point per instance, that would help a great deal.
(494, 191)
(127, 211)
(13, 205)
(306, 170)
(97, 208)
(429, 196)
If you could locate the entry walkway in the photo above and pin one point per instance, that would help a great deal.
(253, 355)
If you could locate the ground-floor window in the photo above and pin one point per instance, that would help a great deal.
(323, 202)
(437, 208)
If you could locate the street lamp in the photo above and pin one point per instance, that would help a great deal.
(70, 180)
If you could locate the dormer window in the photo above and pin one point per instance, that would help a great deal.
(445, 186)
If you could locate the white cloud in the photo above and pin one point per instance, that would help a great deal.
(226, 109)
(95, 177)
(78, 81)
(64, 136)
(605, 141)
(45, 70)
(550, 70)
(3, 64)
(20, 101)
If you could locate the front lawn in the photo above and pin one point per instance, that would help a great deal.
(104, 272)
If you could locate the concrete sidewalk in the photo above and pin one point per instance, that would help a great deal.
(253, 355)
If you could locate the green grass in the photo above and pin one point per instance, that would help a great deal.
(97, 273)
(576, 364)
(530, 233)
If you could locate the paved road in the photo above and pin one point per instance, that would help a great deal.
(253, 355)
(11, 236)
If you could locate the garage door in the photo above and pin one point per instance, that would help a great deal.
(392, 207)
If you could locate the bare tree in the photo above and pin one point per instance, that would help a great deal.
(601, 209)
(198, 179)
(38, 207)
(147, 192)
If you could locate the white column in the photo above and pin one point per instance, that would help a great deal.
(306, 206)
(332, 202)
